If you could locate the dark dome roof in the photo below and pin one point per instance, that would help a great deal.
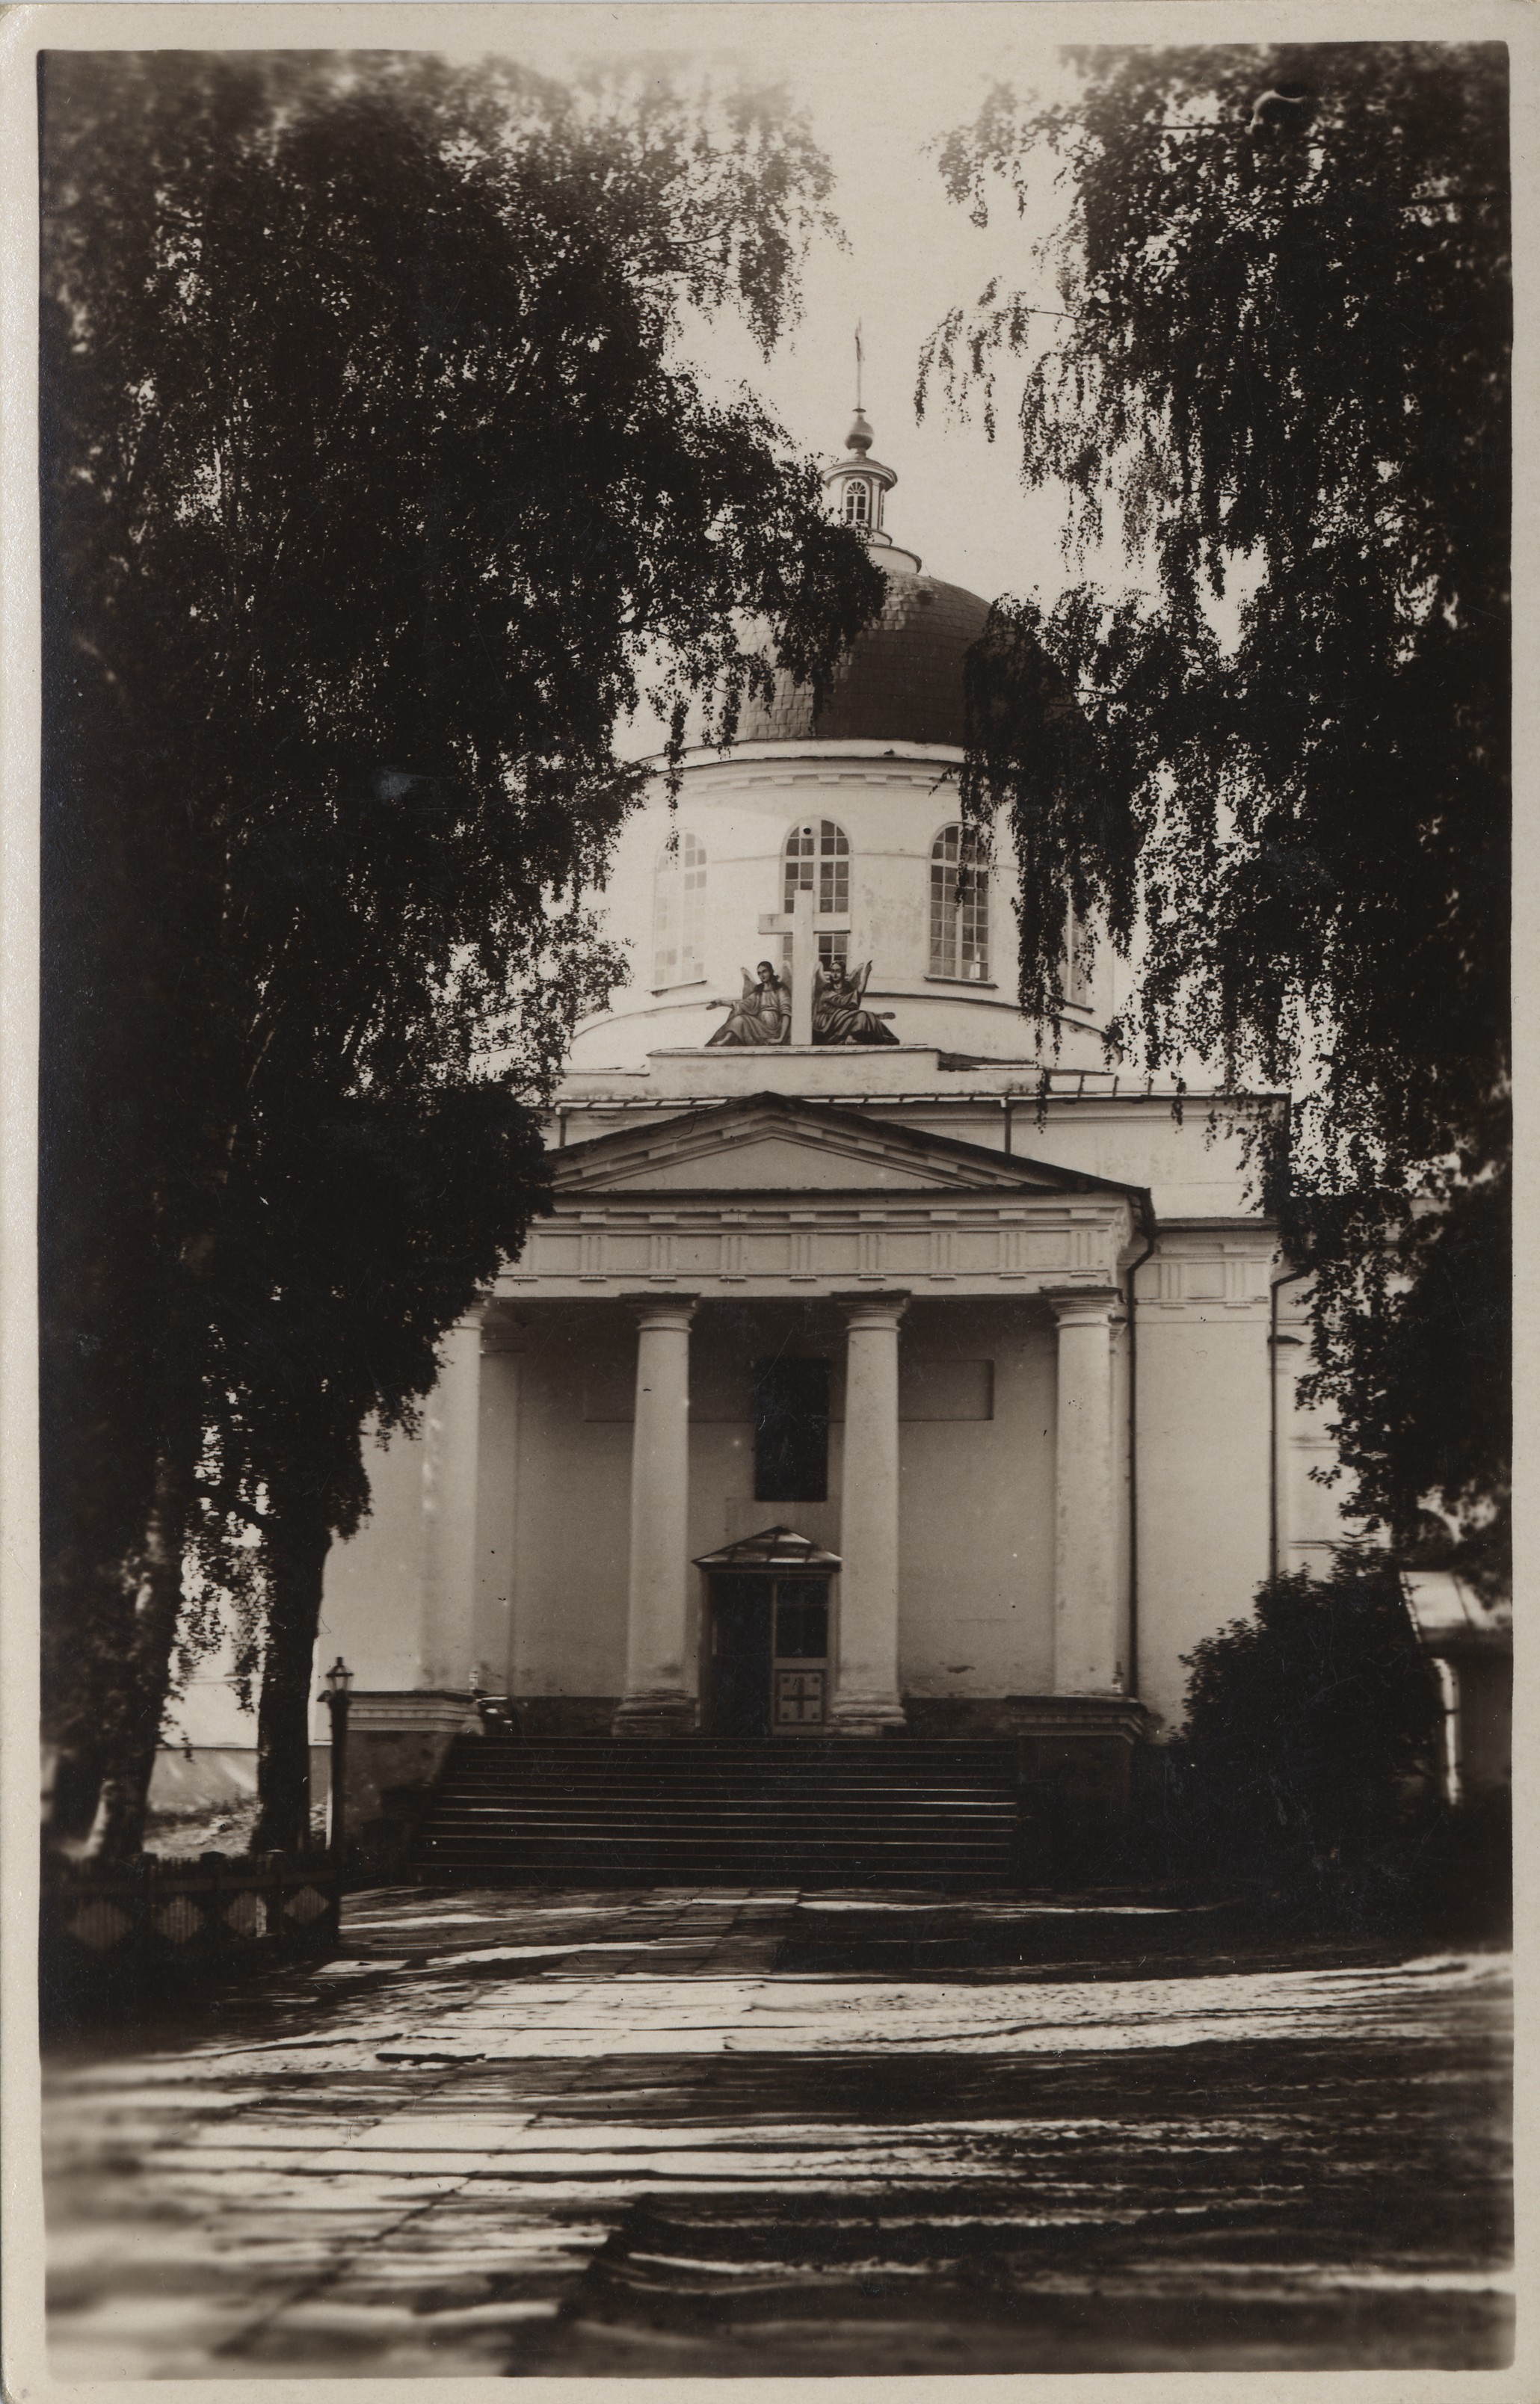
(902, 680)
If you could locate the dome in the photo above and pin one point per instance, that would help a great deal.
(899, 682)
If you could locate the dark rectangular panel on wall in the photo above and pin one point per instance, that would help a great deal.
(790, 1431)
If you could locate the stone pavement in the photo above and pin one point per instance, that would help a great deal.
(730, 2132)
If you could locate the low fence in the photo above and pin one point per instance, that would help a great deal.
(108, 1936)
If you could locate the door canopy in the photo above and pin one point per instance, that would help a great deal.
(774, 1551)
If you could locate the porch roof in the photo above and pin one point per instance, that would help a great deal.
(772, 1548)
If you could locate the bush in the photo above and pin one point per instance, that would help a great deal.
(1307, 1759)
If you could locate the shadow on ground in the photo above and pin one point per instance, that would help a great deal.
(722, 2132)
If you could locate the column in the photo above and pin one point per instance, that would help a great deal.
(498, 1508)
(657, 1701)
(866, 1696)
(451, 1446)
(1088, 1604)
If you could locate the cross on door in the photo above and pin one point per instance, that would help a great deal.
(804, 922)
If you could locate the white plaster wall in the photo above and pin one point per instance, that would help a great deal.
(1312, 1519)
(371, 1609)
(1204, 1433)
(1189, 1172)
(1192, 1172)
(209, 1709)
(976, 1512)
(977, 1497)
(892, 804)
(573, 1511)
(371, 1599)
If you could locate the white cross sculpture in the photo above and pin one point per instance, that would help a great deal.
(804, 922)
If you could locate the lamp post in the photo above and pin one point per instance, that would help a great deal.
(338, 1679)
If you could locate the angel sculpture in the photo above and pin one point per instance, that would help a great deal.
(839, 1017)
(763, 1013)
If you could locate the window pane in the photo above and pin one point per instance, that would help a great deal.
(801, 853)
(665, 933)
(959, 906)
(678, 911)
(817, 860)
(802, 1620)
(1077, 984)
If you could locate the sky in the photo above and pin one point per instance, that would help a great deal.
(878, 87)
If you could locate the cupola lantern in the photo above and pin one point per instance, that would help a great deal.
(859, 487)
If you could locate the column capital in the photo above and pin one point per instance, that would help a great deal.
(675, 1311)
(872, 1310)
(1084, 1305)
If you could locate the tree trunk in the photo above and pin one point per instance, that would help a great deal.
(128, 1759)
(296, 1551)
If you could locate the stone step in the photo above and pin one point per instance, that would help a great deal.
(858, 1867)
(688, 1811)
(727, 1796)
(817, 1775)
(618, 1844)
(685, 1800)
(812, 1774)
(892, 1810)
(678, 1837)
(876, 1752)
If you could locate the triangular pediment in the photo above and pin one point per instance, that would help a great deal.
(773, 1143)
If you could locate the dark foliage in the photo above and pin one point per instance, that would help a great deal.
(375, 495)
(1308, 1755)
(1278, 359)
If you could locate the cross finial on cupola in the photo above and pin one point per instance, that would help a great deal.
(858, 484)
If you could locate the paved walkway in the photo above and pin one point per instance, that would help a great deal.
(759, 2134)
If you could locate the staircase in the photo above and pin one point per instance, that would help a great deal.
(894, 1810)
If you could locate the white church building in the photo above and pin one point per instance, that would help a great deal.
(850, 1389)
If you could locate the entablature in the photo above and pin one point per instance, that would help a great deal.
(808, 1244)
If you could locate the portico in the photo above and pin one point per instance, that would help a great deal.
(888, 1254)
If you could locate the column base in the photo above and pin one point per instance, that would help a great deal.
(659, 1715)
(868, 1715)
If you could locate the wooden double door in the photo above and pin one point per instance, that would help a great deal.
(766, 1656)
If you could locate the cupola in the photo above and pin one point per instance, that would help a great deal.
(901, 680)
(859, 487)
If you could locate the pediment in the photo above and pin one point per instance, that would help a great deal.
(771, 1164)
(775, 1144)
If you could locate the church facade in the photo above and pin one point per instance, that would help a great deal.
(862, 1379)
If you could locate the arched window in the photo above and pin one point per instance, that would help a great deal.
(856, 503)
(1077, 979)
(959, 906)
(818, 861)
(678, 911)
